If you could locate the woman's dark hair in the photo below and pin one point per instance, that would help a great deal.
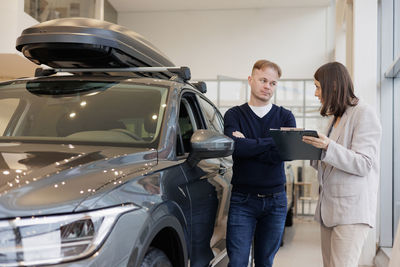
(337, 90)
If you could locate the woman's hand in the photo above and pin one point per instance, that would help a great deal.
(321, 142)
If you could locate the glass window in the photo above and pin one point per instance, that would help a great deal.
(223, 110)
(389, 88)
(187, 126)
(212, 91)
(43, 10)
(82, 111)
(213, 118)
(311, 99)
(232, 93)
(290, 95)
(8, 108)
(396, 120)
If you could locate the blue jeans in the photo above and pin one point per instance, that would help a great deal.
(260, 217)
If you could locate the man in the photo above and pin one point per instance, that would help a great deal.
(258, 202)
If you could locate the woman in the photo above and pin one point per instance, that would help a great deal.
(348, 171)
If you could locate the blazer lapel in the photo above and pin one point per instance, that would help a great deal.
(324, 166)
(336, 133)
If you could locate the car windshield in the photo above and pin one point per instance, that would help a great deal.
(102, 112)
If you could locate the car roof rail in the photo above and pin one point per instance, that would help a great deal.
(201, 86)
(182, 72)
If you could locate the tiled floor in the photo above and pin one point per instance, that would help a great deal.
(301, 246)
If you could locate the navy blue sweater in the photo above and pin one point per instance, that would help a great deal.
(257, 167)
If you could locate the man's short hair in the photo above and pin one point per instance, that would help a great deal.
(263, 63)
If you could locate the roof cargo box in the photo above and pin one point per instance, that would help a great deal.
(88, 43)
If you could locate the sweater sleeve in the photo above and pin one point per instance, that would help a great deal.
(272, 154)
(244, 147)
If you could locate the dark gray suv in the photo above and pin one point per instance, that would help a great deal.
(120, 161)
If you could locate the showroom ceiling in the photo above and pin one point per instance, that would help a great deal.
(175, 5)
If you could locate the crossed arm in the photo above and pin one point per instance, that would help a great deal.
(262, 149)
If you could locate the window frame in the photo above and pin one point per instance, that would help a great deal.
(188, 99)
(220, 119)
(389, 94)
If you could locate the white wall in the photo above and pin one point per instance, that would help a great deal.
(13, 20)
(365, 23)
(228, 42)
(8, 25)
(24, 20)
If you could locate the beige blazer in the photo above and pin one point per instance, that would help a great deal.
(349, 180)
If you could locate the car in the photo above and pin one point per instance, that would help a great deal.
(110, 155)
(289, 188)
(124, 164)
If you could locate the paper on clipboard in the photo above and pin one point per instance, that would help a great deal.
(290, 145)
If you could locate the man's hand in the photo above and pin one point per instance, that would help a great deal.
(321, 142)
(238, 134)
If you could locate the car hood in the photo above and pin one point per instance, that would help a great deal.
(38, 179)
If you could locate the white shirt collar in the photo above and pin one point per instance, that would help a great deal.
(261, 111)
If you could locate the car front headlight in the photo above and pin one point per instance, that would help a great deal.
(57, 238)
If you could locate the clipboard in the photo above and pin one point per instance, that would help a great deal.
(290, 144)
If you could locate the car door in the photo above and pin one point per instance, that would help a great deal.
(222, 180)
(208, 183)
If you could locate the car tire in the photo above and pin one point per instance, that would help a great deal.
(155, 258)
(289, 217)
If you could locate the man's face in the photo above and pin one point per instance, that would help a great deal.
(263, 83)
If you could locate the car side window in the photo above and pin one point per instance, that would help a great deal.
(187, 126)
(212, 116)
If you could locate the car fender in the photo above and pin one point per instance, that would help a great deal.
(166, 215)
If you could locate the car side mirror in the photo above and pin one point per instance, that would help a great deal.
(209, 144)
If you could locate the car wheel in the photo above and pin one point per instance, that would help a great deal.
(155, 258)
